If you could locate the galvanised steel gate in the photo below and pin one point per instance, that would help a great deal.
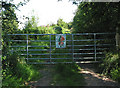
(82, 47)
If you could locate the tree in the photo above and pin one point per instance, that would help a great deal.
(69, 25)
(96, 17)
(31, 25)
(9, 26)
(10, 21)
(61, 23)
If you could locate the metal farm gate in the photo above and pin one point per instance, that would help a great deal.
(42, 48)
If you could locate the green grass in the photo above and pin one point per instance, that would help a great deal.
(17, 72)
(24, 74)
(67, 75)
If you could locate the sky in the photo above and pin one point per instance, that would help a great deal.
(48, 11)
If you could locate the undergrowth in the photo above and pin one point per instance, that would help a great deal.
(111, 66)
(16, 72)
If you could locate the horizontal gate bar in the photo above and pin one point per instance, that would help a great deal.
(61, 53)
(35, 34)
(92, 33)
(35, 54)
(74, 45)
(68, 58)
(87, 53)
(31, 34)
(84, 40)
(29, 46)
(48, 62)
(16, 34)
(82, 53)
(38, 49)
(18, 50)
(49, 58)
(93, 45)
(89, 58)
(82, 62)
(18, 40)
(89, 40)
(52, 54)
(38, 40)
(60, 49)
(49, 54)
(38, 46)
(45, 40)
(83, 49)
(63, 62)
(54, 40)
(35, 40)
(17, 46)
(38, 54)
(67, 34)
(47, 49)
(67, 45)
(33, 50)
(92, 49)
(65, 53)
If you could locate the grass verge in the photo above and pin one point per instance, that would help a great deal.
(67, 75)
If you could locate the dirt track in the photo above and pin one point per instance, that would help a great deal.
(92, 78)
(45, 80)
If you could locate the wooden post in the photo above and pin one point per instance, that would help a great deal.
(117, 40)
(118, 43)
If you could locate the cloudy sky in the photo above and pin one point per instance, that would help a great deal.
(48, 11)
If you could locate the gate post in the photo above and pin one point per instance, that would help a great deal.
(117, 40)
(50, 47)
(95, 46)
(73, 47)
(117, 37)
(27, 47)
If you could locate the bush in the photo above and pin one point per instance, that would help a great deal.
(110, 61)
(58, 29)
(17, 72)
(115, 73)
(110, 66)
(11, 81)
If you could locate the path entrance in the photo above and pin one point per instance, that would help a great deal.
(91, 75)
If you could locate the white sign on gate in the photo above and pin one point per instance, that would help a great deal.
(60, 40)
